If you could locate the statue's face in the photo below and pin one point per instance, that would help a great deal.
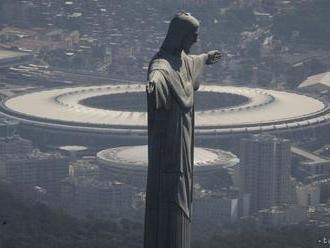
(189, 40)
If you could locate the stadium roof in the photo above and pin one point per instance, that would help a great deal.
(318, 79)
(9, 54)
(265, 110)
(137, 155)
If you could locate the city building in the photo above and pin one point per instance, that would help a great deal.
(11, 147)
(312, 163)
(211, 211)
(265, 163)
(15, 145)
(35, 41)
(23, 165)
(73, 152)
(214, 209)
(308, 195)
(87, 192)
(12, 57)
(319, 216)
(8, 128)
(84, 167)
(45, 170)
(316, 190)
(88, 196)
(283, 215)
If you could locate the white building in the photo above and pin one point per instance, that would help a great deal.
(211, 211)
(88, 196)
(308, 195)
(212, 208)
(282, 215)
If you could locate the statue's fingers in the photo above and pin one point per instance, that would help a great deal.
(218, 57)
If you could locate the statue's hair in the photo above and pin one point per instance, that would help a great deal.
(181, 25)
(185, 20)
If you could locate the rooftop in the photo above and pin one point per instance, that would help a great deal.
(264, 110)
(308, 155)
(73, 148)
(322, 78)
(266, 138)
(138, 155)
(9, 54)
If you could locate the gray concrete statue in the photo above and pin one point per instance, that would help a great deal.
(172, 79)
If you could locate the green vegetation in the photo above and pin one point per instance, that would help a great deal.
(26, 225)
(253, 236)
(227, 24)
(311, 20)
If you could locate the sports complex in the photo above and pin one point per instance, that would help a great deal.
(129, 164)
(115, 115)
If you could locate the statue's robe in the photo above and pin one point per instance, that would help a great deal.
(172, 81)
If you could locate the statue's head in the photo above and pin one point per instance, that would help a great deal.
(182, 33)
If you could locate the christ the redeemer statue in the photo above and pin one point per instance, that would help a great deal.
(172, 79)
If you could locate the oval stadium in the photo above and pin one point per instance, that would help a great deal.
(112, 115)
(129, 164)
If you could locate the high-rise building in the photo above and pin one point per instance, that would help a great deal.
(265, 170)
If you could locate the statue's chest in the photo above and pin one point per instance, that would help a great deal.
(184, 79)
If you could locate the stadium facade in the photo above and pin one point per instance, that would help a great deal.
(129, 164)
(114, 115)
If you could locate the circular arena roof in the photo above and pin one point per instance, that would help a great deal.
(263, 110)
(137, 157)
(73, 148)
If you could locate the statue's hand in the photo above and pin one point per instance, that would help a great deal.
(150, 87)
(213, 57)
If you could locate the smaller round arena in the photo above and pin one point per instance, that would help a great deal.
(129, 164)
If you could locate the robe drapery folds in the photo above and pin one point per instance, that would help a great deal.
(172, 80)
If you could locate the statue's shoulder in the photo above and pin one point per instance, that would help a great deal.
(159, 64)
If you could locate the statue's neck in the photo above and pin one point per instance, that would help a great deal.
(177, 54)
